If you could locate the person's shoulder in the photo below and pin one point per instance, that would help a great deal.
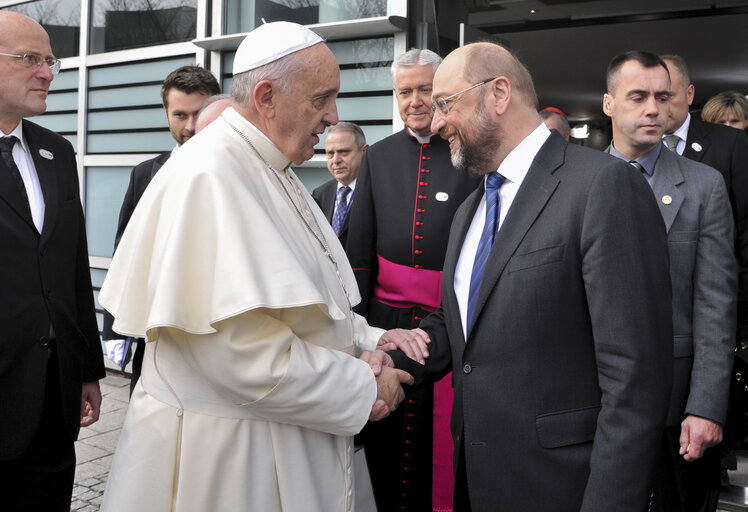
(42, 135)
(386, 145)
(716, 132)
(326, 187)
(697, 172)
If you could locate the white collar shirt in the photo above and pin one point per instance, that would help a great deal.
(514, 168)
(682, 133)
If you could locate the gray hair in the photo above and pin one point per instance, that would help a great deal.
(416, 56)
(347, 126)
(281, 72)
(680, 64)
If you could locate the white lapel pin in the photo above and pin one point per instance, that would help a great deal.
(442, 196)
(46, 154)
(667, 199)
(696, 147)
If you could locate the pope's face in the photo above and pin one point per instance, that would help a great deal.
(181, 112)
(309, 107)
(23, 90)
(413, 86)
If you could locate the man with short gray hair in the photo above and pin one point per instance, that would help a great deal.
(345, 145)
(406, 195)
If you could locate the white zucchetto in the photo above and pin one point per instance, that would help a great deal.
(270, 42)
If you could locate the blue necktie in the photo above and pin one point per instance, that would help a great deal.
(341, 209)
(493, 183)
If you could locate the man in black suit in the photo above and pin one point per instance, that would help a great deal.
(694, 205)
(558, 332)
(183, 93)
(345, 145)
(51, 358)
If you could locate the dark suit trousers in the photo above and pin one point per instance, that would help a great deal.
(461, 502)
(682, 486)
(41, 479)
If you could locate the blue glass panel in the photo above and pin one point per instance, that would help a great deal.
(105, 188)
(137, 72)
(127, 119)
(138, 142)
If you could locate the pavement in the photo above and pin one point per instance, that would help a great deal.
(96, 444)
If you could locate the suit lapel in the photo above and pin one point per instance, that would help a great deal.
(45, 170)
(696, 139)
(665, 180)
(532, 196)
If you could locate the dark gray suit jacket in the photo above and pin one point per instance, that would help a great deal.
(325, 195)
(726, 149)
(563, 383)
(694, 203)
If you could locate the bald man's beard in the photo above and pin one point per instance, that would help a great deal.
(477, 147)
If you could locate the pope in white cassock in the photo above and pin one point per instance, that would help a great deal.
(250, 390)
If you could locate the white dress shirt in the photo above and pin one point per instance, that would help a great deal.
(513, 168)
(25, 164)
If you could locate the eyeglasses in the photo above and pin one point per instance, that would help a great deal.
(442, 104)
(32, 60)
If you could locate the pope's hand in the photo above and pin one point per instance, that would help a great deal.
(389, 392)
(413, 343)
(377, 360)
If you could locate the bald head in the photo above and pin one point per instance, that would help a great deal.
(484, 60)
(23, 85)
(211, 110)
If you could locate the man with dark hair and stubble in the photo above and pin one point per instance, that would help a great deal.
(183, 93)
(694, 205)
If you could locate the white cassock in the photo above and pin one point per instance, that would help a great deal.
(250, 392)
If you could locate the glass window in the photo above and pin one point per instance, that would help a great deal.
(125, 114)
(105, 188)
(62, 107)
(244, 15)
(122, 24)
(60, 18)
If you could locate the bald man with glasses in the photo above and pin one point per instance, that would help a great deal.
(51, 354)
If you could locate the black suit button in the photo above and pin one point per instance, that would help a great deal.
(467, 368)
(44, 341)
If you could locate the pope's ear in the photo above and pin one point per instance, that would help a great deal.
(264, 97)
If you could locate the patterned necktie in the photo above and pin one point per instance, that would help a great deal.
(341, 209)
(671, 142)
(6, 149)
(493, 183)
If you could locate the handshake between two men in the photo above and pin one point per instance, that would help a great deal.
(414, 344)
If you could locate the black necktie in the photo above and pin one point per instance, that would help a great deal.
(6, 149)
(638, 166)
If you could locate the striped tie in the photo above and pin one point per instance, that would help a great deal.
(493, 183)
